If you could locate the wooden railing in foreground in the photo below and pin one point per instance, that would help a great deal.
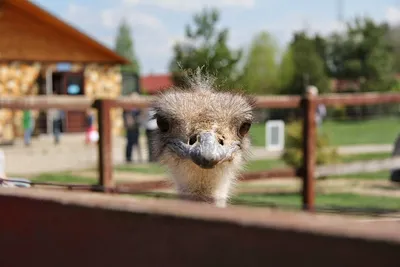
(51, 228)
(308, 103)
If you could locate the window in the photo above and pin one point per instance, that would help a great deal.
(130, 83)
(74, 83)
(73, 89)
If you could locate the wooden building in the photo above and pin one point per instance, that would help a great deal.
(33, 43)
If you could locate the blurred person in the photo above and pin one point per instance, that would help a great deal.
(320, 112)
(92, 134)
(58, 125)
(28, 126)
(132, 127)
(151, 127)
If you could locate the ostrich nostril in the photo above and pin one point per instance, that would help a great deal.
(192, 139)
(221, 141)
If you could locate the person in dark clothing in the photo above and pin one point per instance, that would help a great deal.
(131, 122)
(58, 125)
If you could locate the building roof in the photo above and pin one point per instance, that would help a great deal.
(344, 85)
(154, 83)
(30, 33)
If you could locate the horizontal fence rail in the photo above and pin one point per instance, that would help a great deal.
(269, 101)
(133, 102)
(277, 101)
(356, 99)
(46, 102)
(47, 228)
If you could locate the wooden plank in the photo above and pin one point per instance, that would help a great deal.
(357, 99)
(260, 101)
(104, 144)
(273, 101)
(366, 166)
(128, 102)
(309, 150)
(42, 102)
(53, 228)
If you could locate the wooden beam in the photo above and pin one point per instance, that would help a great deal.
(105, 143)
(357, 99)
(52, 228)
(277, 101)
(309, 150)
(43, 102)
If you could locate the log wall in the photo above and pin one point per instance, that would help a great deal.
(20, 79)
(105, 81)
(16, 79)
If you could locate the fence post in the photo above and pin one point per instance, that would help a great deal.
(105, 143)
(309, 148)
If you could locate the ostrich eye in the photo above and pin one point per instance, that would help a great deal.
(244, 128)
(162, 124)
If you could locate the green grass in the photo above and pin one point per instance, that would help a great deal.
(262, 165)
(257, 135)
(374, 131)
(151, 168)
(324, 202)
(63, 177)
(329, 201)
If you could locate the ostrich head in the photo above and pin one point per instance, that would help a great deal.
(202, 138)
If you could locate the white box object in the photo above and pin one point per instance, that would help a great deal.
(275, 135)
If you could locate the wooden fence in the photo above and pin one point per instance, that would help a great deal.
(49, 228)
(307, 103)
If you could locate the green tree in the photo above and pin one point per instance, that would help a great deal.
(286, 69)
(308, 66)
(260, 72)
(206, 48)
(363, 53)
(394, 40)
(321, 46)
(124, 47)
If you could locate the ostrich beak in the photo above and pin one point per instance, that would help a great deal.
(207, 152)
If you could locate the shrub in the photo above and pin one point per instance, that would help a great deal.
(293, 155)
(338, 112)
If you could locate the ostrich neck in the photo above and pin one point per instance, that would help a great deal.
(207, 185)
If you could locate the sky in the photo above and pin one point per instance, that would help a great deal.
(157, 24)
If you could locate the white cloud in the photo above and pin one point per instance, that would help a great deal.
(152, 42)
(77, 13)
(187, 5)
(393, 15)
(110, 18)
